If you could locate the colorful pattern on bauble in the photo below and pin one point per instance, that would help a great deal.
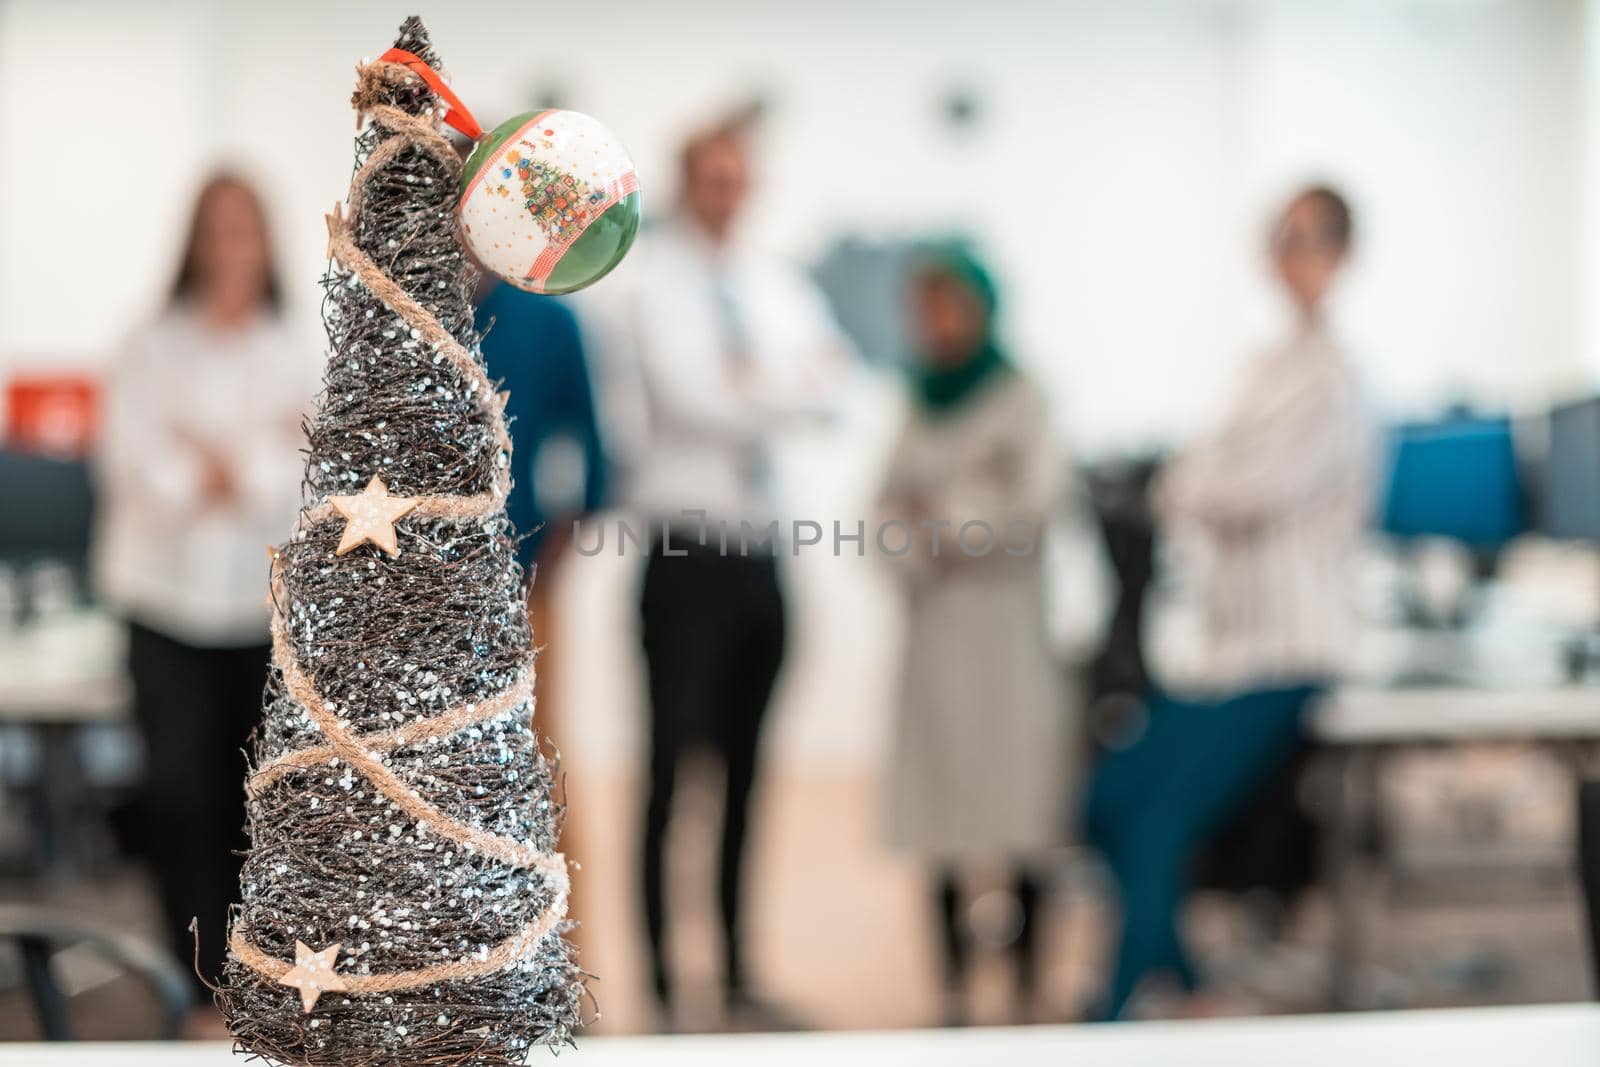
(549, 201)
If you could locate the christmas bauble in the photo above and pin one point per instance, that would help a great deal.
(549, 201)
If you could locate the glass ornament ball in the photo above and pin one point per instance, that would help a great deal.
(549, 201)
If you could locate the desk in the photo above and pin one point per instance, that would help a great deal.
(1359, 722)
(56, 677)
(67, 670)
(1549, 1036)
(1365, 715)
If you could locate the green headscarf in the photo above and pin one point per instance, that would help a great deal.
(940, 389)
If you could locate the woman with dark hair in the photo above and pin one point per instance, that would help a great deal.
(199, 468)
(1277, 497)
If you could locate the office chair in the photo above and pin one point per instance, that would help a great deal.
(48, 514)
(48, 511)
(1120, 496)
(39, 933)
(1589, 866)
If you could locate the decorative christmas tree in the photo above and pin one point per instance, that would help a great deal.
(402, 899)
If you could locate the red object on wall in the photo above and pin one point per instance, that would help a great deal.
(54, 414)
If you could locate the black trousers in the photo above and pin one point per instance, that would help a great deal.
(713, 628)
(957, 952)
(196, 708)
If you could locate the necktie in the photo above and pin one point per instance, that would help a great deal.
(754, 467)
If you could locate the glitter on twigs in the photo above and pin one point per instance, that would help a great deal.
(389, 644)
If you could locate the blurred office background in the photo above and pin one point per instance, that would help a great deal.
(1119, 165)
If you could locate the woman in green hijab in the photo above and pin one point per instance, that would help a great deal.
(981, 765)
(953, 300)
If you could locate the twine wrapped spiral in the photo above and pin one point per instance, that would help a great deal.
(402, 687)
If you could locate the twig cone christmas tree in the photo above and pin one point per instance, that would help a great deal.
(403, 902)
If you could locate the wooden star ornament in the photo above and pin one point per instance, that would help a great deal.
(313, 973)
(335, 222)
(370, 517)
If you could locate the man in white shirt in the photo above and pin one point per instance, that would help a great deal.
(708, 350)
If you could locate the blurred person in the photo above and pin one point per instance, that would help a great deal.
(533, 347)
(980, 768)
(727, 349)
(199, 467)
(1279, 496)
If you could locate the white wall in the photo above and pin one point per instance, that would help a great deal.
(1589, 273)
(1130, 154)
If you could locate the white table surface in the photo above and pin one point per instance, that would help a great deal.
(1546, 1036)
(69, 670)
(1357, 714)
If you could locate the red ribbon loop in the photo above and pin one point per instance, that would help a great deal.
(457, 115)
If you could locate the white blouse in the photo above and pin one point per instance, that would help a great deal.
(162, 556)
(1280, 496)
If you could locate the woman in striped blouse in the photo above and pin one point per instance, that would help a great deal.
(1280, 493)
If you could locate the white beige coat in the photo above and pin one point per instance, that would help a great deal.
(982, 750)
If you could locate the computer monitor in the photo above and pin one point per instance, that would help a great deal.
(1456, 478)
(1571, 475)
(48, 512)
